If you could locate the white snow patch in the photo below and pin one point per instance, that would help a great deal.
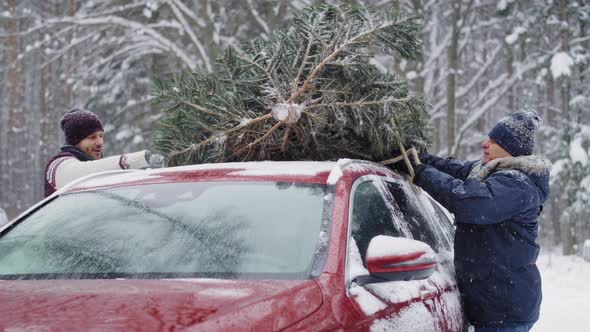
(513, 37)
(123, 134)
(368, 302)
(503, 4)
(147, 13)
(153, 5)
(557, 168)
(565, 293)
(336, 172)
(355, 262)
(414, 318)
(226, 292)
(204, 280)
(335, 175)
(577, 151)
(579, 100)
(3, 217)
(108, 127)
(137, 139)
(383, 246)
(561, 64)
(448, 308)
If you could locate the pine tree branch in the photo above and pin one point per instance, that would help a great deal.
(260, 139)
(195, 106)
(194, 147)
(362, 103)
(303, 64)
(286, 139)
(267, 75)
(344, 46)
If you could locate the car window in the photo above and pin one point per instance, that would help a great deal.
(223, 229)
(441, 221)
(371, 216)
(417, 215)
(392, 208)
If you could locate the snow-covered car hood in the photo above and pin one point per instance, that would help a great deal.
(200, 304)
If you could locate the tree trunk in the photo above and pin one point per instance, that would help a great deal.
(550, 102)
(510, 71)
(565, 85)
(13, 124)
(69, 60)
(420, 60)
(208, 31)
(451, 75)
(482, 122)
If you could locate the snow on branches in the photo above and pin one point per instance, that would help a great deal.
(329, 101)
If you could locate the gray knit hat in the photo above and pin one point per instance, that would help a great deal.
(516, 133)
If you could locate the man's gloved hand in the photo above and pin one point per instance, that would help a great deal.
(155, 159)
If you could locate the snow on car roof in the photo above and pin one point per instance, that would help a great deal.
(303, 170)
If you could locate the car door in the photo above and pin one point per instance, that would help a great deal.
(385, 206)
(429, 223)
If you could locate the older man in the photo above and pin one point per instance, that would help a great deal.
(496, 202)
(82, 154)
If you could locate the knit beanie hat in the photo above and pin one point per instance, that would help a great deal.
(516, 133)
(78, 124)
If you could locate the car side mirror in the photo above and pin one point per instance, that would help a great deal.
(396, 258)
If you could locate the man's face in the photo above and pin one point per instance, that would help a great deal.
(92, 145)
(491, 151)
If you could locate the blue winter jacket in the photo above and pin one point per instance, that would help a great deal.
(496, 218)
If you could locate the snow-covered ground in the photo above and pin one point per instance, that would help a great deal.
(566, 293)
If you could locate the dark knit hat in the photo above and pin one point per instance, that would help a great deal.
(516, 133)
(78, 124)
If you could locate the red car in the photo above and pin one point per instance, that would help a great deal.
(260, 246)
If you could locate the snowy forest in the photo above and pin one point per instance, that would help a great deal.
(481, 60)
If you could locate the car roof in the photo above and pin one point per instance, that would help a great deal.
(324, 172)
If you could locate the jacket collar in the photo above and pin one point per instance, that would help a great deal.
(76, 152)
(532, 165)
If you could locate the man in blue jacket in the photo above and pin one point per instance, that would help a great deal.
(496, 202)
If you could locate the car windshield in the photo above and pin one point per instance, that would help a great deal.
(198, 229)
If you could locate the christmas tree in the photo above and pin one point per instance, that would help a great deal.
(309, 92)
